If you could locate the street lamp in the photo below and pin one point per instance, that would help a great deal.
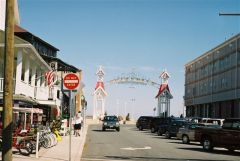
(133, 100)
(117, 107)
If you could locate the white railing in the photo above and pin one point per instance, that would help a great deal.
(24, 88)
(2, 85)
(41, 93)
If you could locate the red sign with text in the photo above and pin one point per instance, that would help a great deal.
(71, 81)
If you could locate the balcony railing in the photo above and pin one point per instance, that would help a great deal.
(39, 93)
(46, 93)
(2, 87)
(24, 88)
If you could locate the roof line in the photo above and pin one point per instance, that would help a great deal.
(26, 31)
(215, 48)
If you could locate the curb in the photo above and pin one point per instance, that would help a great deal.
(79, 156)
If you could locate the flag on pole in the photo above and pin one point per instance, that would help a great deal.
(49, 77)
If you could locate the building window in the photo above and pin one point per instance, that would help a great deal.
(205, 87)
(215, 66)
(58, 94)
(214, 85)
(238, 57)
(194, 91)
(30, 76)
(222, 64)
(36, 78)
(23, 71)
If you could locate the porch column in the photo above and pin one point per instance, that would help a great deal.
(42, 78)
(26, 74)
(102, 108)
(33, 80)
(38, 78)
(25, 120)
(18, 70)
(159, 107)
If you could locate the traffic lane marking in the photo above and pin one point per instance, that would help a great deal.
(131, 148)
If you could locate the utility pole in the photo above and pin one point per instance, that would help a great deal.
(8, 82)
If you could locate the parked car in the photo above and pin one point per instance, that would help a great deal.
(110, 122)
(170, 126)
(195, 119)
(143, 122)
(187, 132)
(155, 123)
(213, 121)
(227, 137)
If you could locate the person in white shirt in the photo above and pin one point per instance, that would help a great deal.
(78, 123)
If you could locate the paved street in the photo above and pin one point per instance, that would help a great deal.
(132, 144)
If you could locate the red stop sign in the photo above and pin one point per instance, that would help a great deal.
(71, 81)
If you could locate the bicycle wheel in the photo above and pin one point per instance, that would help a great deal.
(45, 142)
(34, 145)
(25, 147)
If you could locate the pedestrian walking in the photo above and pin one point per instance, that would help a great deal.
(78, 123)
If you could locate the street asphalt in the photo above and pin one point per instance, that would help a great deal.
(132, 144)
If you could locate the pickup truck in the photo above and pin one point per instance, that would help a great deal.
(226, 137)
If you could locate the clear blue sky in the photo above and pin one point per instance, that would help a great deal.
(148, 35)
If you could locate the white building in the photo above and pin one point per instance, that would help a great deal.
(3, 13)
(99, 96)
(30, 90)
(164, 96)
(33, 100)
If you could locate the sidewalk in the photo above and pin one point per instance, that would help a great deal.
(60, 152)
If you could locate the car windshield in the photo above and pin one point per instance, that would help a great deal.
(193, 126)
(110, 118)
(179, 123)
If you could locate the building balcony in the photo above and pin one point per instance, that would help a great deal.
(39, 93)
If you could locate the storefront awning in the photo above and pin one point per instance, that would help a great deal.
(27, 110)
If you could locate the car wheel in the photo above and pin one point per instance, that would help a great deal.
(231, 149)
(140, 128)
(167, 135)
(152, 130)
(159, 133)
(103, 129)
(207, 144)
(118, 129)
(185, 139)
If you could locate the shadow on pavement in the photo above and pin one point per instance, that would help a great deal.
(104, 131)
(134, 129)
(180, 142)
(215, 151)
(157, 137)
(155, 158)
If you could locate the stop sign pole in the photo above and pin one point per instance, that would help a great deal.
(70, 83)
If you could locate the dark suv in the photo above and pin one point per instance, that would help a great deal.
(143, 122)
(155, 123)
(110, 122)
(170, 126)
